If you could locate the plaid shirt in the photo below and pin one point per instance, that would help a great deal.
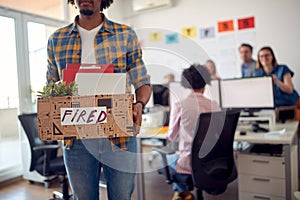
(114, 43)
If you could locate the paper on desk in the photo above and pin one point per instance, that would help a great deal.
(275, 133)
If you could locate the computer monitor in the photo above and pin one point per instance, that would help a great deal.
(160, 94)
(249, 94)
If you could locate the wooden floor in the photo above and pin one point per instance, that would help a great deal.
(155, 188)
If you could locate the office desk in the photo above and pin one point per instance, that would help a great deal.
(289, 140)
(260, 175)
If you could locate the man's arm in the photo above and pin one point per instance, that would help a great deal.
(142, 97)
(52, 71)
(139, 78)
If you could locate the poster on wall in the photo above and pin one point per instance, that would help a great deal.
(226, 41)
(245, 23)
(229, 69)
(189, 32)
(226, 55)
(155, 37)
(210, 47)
(172, 38)
(246, 37)
(225, 26)
(208, 32)
(246, 33)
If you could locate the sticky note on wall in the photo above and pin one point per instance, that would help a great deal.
(225, 26)
(208, 32)
(244, 23)
(172, 38)
(155, 37)
(189, 31)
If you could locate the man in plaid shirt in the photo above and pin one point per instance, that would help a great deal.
(92, 38)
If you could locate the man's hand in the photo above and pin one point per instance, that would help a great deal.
(137, 117)
(142, 97)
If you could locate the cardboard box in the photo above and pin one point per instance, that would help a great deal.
(80, 117)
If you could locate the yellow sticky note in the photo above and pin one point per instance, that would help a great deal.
(189, 31)
(155, 36)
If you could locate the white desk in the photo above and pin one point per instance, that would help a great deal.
(289, 164)
(289, 140)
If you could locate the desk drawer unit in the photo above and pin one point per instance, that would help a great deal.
(261, 177)
(253, 196)
(269, 166)
(262, 185)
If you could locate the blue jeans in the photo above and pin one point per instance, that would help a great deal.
(172, 161)
(84, 161)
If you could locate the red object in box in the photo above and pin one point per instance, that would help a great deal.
(69, 73)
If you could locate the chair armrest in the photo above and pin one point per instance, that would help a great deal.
(46, 147)
(47, 150)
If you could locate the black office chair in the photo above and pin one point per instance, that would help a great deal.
(284, 113)
(44, 157)
(212, 159)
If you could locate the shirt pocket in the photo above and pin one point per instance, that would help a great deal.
(117, 56)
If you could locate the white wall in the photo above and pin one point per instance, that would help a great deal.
(276, 23)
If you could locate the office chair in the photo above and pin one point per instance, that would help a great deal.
(212, 159)
(284, 113)
(44, 157)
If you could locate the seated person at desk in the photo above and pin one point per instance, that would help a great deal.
(169, 78)
(284, 92)
(183, 120)
(211, 67)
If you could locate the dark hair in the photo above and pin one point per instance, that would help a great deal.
(104, 3)
(195, 77)
(246, 45)
(274, 61)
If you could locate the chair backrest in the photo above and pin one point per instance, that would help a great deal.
(30, 125)
(212, 159)
(284, 113)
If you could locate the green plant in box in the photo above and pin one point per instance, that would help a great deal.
(59, 89)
